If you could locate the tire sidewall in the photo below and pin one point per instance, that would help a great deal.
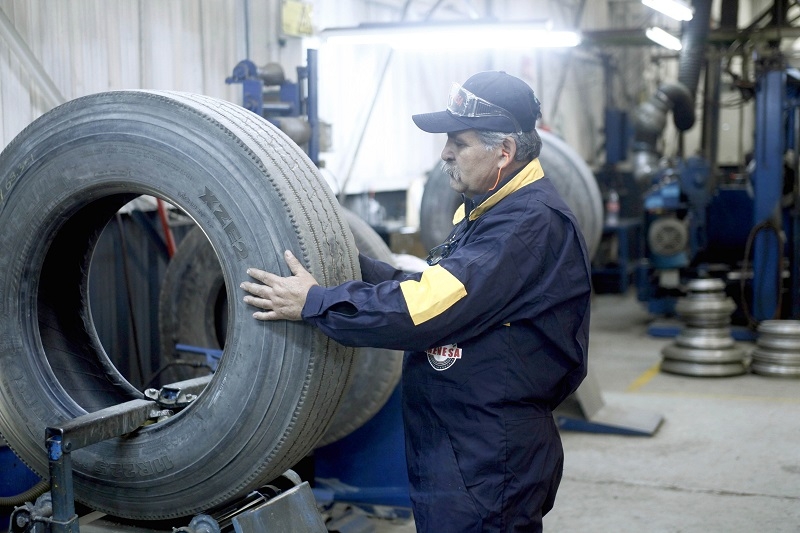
(253, 411)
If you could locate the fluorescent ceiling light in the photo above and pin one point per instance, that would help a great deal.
(676, 9)
(665, 39)
(449, 36)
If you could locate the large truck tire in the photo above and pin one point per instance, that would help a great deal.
(254, 194)
(376, 371)
(192, 312)
(571, 176)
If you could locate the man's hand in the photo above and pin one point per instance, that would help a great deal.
(281, 298)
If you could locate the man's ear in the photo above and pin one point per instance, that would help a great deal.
(509, 149)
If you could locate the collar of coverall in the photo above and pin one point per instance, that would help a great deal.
(532, 172)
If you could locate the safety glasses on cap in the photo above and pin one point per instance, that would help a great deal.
(463, 103)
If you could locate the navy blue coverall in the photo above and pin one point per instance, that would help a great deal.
(496, 336)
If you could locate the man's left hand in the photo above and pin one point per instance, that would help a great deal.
(281, 298)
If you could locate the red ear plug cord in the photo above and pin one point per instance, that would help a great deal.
(498, 172)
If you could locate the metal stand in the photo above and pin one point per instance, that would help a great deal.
(78, 433)
(287, 504)
(586, 411)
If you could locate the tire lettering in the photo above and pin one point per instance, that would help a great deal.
(101, 468)
(12, 179)
(222, 216)
(132, 470)
(32, 401)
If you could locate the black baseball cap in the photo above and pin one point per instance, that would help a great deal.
(512, 106)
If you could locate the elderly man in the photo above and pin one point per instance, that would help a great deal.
(495, 331)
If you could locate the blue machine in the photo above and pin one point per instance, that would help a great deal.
(678, 195)
(15, 480)
(266, 93)
(736, 229)
(368, 467)
(675, 230)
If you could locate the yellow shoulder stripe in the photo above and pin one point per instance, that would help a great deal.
(435, 292)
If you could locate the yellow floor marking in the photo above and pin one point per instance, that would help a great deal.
(645, 378)
(653, 371)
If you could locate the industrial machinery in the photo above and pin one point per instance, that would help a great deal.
(740, 227)
(291, 106)
(699, 220)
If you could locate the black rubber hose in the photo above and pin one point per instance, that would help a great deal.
(752, 323)
(682, 100)
(651, 117)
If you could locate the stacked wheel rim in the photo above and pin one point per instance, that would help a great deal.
(777, 350)
(705, 346)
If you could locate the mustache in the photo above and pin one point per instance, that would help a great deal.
(451, 170)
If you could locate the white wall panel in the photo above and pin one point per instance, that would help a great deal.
(393, 152)
(89, 46)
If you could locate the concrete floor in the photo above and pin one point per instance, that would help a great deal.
(726, 457)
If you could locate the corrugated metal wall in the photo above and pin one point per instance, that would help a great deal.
(90, 46)
(82, 47)
(393, 152)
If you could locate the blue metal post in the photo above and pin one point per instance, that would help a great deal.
(64, 518)
(767, 187)
(793, 223)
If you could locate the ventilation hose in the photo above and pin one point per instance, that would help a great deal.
(29, 495)
(650, 117)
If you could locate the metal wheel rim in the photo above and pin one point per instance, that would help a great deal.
(695, 355)
(779, 343)
(776, 357)
(706, 285)
(775, 370)
(780, 327)
(701, 370)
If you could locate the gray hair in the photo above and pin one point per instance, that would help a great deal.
(529, 144)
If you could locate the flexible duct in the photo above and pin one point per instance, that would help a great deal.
(29, 495)
(650, 117)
